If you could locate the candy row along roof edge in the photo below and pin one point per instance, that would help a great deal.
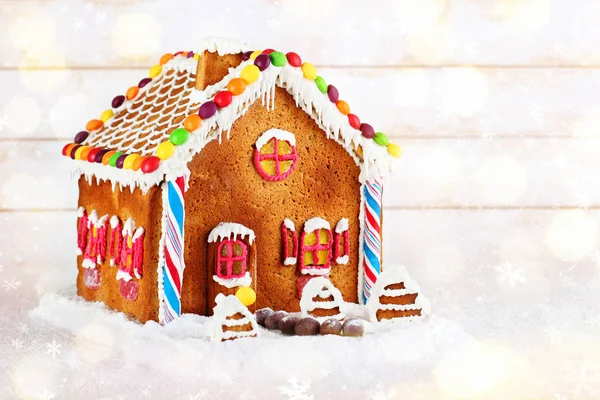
(236, 86)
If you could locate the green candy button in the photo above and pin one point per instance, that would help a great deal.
(381, 139)
(321, 84)
(113, 160)
(179, 136)
(278, 59)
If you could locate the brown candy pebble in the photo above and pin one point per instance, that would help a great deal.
(307, 326)
(287, 325)
(353, 327)
(331, 327)
(262, 314)
(272, 321)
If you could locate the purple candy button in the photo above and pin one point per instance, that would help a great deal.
(207, 110)
(120, 161)
(190, 54)
(262, 61)
(81, 136)
(73, 150)
(246, 55)
(367, 131)
(118, 101)
(144, 82)
(99, 155)
(333, 93)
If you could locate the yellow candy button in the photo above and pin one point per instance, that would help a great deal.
(309, 71)
(155, 71)
(79, 151)
(165, 150)
(129, 160)
(250, 73)
(246, 295)
(394, 150)
(106, 115)
(255, 54)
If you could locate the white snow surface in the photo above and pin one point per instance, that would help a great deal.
(115, 355)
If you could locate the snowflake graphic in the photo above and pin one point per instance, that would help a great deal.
(13, 284)
(17, 343)
(296, 390)
(145, 392)
(506, 272)
(53, 348)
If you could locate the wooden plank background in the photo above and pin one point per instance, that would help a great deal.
(496, 105)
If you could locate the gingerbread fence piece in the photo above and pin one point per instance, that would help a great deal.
(321, 299)
(396, 297)
(232, 320)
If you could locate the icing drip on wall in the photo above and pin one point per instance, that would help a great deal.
(230, 230)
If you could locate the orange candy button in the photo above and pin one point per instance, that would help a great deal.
(166, 58)
(236, 86)
(107, 157)
(84, 153)
(131, 93)
(93, 125)
(192, 122)
(343, 107)
(137, 164)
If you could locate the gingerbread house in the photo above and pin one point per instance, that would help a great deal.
(227, 167)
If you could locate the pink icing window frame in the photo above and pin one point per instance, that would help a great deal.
(315, 248)
(230, 259)
(336, 245)
(275, 156)
(286, 247)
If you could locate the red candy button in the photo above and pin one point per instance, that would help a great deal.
(91, 157)
(223, 99)
(268, 51)
(294, 59)
(354, 121)
(150, 164)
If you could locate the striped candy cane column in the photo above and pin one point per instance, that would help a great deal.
(373, 192)
(173, 262)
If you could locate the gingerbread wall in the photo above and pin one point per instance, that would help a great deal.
(225, 187)
(146, 211)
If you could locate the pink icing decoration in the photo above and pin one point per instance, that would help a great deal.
(284, 234)
(129, 290)
(229, 259)
(315, 248)
(277, 158)
(336, 245)
(91, 278)
(82, 231)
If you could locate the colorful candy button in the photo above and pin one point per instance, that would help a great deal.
(294, 59)
(343, 107)
(74, 151)
(354, 121)
(155, 71)
(246, 55)
(121, 160)
(246, 295)
(268, 51)
(132, 92)
(190, 54)
(150, 164)
(394, 150)
(92, 154)
(94, 125)
(113, 159)
(138, 162)
(77, 155)
(100, 155)
(236, 86)
(250, 73)
(262, 61)
(144, 82)
(255, 54)
(106, 115)
(278, 59)
(81, 136)
(333, 93)
(223, 98)
(192, 122)
(321, 84)
(179, 136)
(367, 131)
(381, 139)
(128, 162)
(84, 153)
(166, 58)
(165, 150)
(107, 156)
(207, 110)
(309, 71)
(118, 101)
(66, 150)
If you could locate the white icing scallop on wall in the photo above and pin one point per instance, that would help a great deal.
(230, 230)
(279, 134)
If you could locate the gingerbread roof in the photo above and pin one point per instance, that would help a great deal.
(155, 129)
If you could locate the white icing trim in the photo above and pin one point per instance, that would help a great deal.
(121, 275)
(280, 134)
(290, 261)
(114, 221)
(80, 212)
(138, 232)
(315, 271)
(246, 280)
(315, 223)
(89, 264)
(342, 260)
(221, 46)
(289, 224)
(391, 275)
(230, 230)
(342, 225)
(323, 288)
(128, 227)
(227, 306)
